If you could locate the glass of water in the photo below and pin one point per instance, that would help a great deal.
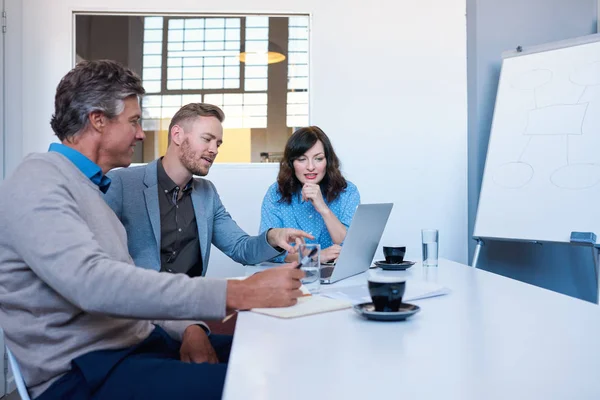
(430, 247)
(312, 269)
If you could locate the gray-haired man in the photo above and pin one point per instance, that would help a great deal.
(75, 310)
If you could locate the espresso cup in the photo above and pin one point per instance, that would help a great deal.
(394, 254)
(386, 292)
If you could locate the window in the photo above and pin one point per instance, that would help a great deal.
(222, 60)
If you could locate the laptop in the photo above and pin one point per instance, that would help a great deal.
(360, 243)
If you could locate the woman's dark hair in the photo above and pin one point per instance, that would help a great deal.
(300, 142)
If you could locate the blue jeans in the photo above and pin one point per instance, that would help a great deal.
(148, 370)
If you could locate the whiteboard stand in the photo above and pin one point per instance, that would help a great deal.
(596, 254)
(480, 244)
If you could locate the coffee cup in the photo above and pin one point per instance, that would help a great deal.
(394, 254)
(386, 292)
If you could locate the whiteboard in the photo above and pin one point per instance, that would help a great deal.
(542, 173)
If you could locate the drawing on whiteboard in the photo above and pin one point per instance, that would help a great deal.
(547, 118)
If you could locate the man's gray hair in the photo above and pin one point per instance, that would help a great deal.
(92, 86)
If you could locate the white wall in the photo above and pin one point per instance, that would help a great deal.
(388, 85)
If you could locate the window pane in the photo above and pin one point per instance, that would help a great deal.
(193, 46)
(298, 21)
(168, 112)
(174, 61)
(298, 33)
(192, 73)
(152, 35)
(255, 111)
(213, 72)
(192, 62)
(174, 85)
(232, 46)
(297, 109)
(256, 71)
(297, 121)
(175, 24)
(152, 48)
(232, 34)
(257, 34)
(255, 85)
(194, 23)
(175, 35)
(297, 97)
(192, 84)
(298, 58)
(255, 98)
(150, 124)
(171, 100)
(152, 61)
(232, 22)
(298, 45)
(233, 99)
(215, 22)
(233, 111)
(298, 71)
(257, 46)
(191, 98)
(151, 73)
(151, 101)
(214, 61)
(152, 86)
(213, 84)
(215, 35)
(216, 99)
(257, 21)
(174, 73)
(231, 83)
(298, 83)
(153, 22)
(214, 45)
(232, 72)
(175, 46)
(151, 112)
(195, 35)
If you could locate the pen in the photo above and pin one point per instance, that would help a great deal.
(307, 258)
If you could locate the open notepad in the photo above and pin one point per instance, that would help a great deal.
(307, 305)
(415, 290)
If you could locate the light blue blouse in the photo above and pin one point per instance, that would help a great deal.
(302, 215)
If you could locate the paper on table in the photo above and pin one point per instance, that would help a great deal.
(415, 290)
(308, 305)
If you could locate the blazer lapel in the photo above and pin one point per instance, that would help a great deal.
(202, 222)
(151, 197)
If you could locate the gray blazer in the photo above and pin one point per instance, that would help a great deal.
(133, 195)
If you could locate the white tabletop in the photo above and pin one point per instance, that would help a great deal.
(490, 338)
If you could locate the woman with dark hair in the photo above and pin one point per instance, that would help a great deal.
(311, 194)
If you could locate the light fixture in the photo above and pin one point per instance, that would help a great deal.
(274, 55)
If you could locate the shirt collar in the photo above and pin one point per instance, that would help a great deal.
(90, 169)
(165, 180)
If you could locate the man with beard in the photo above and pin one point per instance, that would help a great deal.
(171, 218)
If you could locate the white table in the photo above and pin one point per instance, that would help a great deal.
(491, 338)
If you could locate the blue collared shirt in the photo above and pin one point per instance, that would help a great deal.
(85, 165)
(302, 215)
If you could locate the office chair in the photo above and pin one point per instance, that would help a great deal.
(21, 388)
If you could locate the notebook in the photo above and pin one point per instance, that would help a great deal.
(307, 305)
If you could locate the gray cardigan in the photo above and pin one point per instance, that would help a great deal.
(67, 283)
